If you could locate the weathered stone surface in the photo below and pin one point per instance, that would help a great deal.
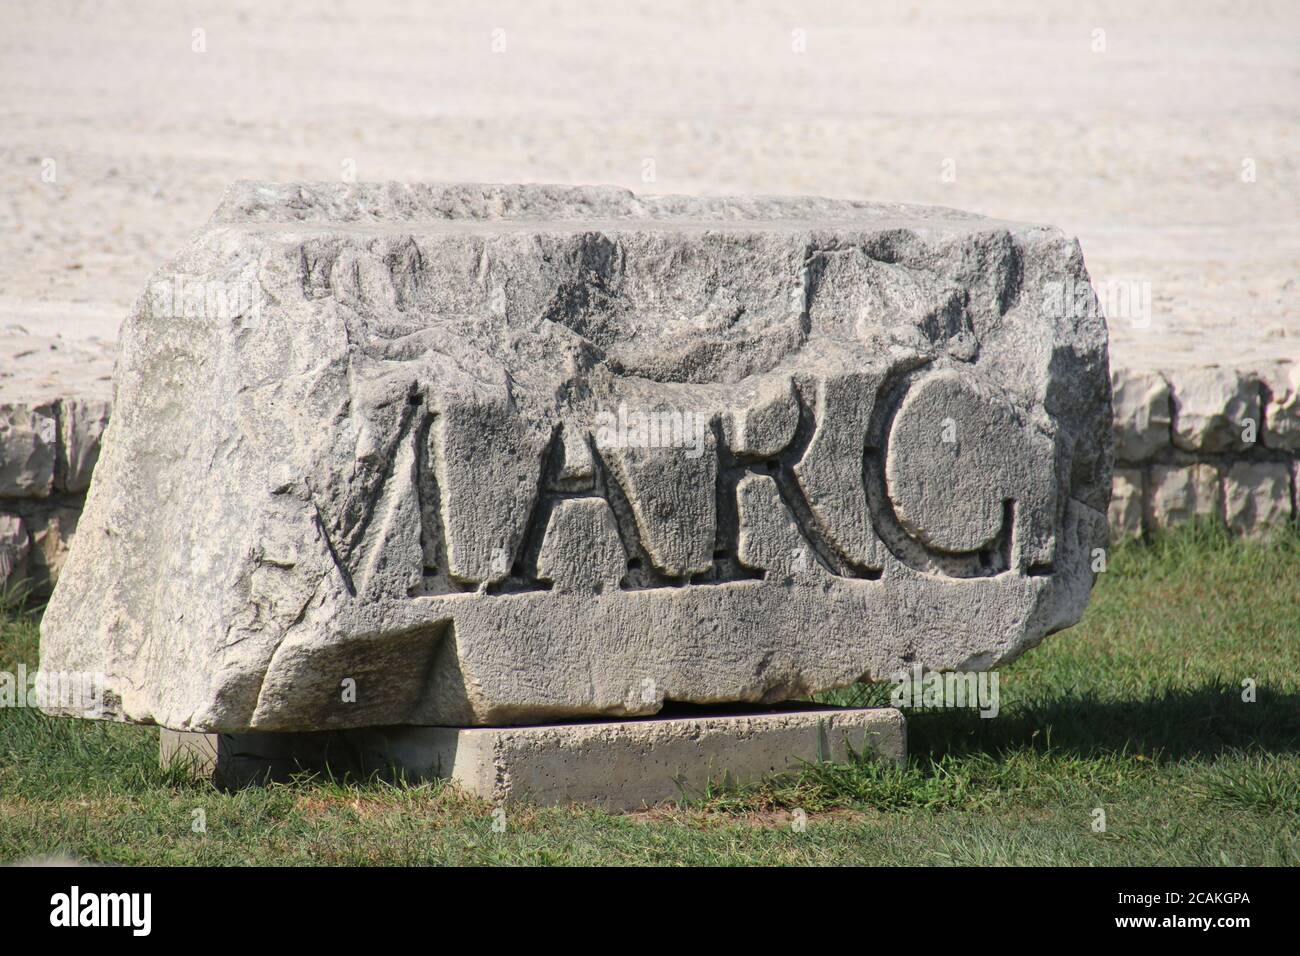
(368, 477)
(1126, 504)
(54, 404)
(765, 424)
(1257, 496)
(1212, 409)
(51, 530)
(1183, 493)
(1142, 414)
(82, 425)
(581, 550)
(36, 538)
(621, 765)
(631, 764)
(15, 550)
(956, 458)
(28, 448)
(1282, 412)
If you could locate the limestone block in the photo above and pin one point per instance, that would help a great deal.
(1282, 411)
(1182, 493)
(82, 424)
(1126, 504)
(28, 449)
(15, 549)
(52, 530)
(1257, 496)
(1142, 414)
(1212, 407)
(498, 455)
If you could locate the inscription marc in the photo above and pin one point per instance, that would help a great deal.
(841, 471)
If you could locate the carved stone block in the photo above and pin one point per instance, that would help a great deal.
(479, 455)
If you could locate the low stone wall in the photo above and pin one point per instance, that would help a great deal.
(55, 398)
(47, 451)
(1209, 443)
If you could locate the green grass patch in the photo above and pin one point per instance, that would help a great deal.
(1137, 713)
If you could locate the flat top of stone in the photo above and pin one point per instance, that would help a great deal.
(464, 205)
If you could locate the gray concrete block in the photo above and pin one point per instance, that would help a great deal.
(617, 765)
(196, 753)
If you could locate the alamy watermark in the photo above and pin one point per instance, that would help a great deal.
(133, 911)
(1126, 300)
(80, 692)
(657, 428)
(190, 297)
(918, 689)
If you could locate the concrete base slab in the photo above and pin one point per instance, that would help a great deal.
(618, 765)
(195, 753)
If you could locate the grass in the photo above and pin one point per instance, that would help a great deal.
(1137, 713)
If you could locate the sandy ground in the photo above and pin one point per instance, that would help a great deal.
(1142, 149)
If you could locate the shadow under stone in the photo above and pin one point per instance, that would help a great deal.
(1198, 722)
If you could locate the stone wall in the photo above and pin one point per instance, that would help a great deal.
(55, 398)
(1210, 443)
